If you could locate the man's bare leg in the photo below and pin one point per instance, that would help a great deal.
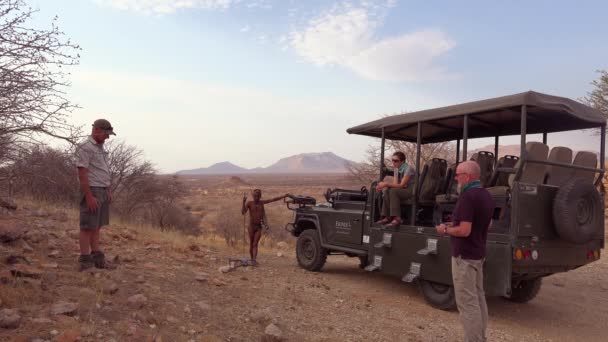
(251, 239)
(85, 241)
(256, 240)
(95, 240)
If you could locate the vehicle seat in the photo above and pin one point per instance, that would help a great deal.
(485, 160)
(532, 173)
(587, 159)
(448, 193)
(500, 178)
(558, 175)
(433, 180)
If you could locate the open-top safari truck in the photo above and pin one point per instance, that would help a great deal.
(549, 214)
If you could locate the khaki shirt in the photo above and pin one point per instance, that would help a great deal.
(91, 156)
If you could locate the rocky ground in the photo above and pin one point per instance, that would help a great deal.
(172, 289)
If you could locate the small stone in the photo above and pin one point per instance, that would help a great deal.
(53, 254)
(50, 265)
(225, 269)
(42, 320)
(153, 247)
(54, 332)
(202, 277)
(110, 288)
(282, 245)
(64, 308)
(9, 319)
(280, 254)
(140, 279)
(172, 319)
(272, 333)
(137, 301)
(218, 282)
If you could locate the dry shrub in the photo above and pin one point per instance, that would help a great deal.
(230, 224)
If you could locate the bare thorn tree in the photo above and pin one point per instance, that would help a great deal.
(598, 97)
(33, 77)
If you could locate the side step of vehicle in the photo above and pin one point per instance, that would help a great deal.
(413, 273)
(376, 265)
(387, 239)
(431, 247)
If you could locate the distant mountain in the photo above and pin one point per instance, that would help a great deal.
(223, 168)
(324, 162)
(309, 163)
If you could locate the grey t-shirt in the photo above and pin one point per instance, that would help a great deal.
(91, 156)
(408, 171)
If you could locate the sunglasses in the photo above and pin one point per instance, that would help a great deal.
(396, 160)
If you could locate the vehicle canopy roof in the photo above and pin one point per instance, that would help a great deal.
(487, 118)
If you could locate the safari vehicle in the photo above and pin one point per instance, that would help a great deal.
(549, 214)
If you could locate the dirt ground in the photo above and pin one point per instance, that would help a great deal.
(188, 299)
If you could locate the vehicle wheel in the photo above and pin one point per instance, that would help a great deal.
(311, 256)
(525, 290)
(440, 296)
(363, 261)
(577, 211)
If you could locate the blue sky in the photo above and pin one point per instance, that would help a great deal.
(195, 82)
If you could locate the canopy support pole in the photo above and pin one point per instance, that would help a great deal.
(602, 154)
(457, 151)
(382, 166)
(496, 150)
(417, 184)
(465, 137)
(545, 138)
(524, 129)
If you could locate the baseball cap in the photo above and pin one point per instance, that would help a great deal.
(105, 125)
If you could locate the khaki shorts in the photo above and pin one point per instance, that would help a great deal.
(91, 221)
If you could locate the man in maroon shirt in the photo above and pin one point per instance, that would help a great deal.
(468, 232)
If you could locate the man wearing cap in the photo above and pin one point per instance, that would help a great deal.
(95, 196)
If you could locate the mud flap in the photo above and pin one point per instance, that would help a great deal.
(497, 269)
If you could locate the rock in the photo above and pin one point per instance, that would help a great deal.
(128, 258)
(137, 301)
(280, 255)
(50, 265)
(26, 246)
(225, 269)
(10, 233)
(202, 277)
(53, 254)
(64, 308)
(54, 332)
(9, 319)
(282, 245)
(20, 270)
(70, 335)
(110, 288)
(272, 333)
(140, 279)
(42, 320)
(172, 319)
(218, 282)
(35, 236)
(40, 213)
(203, 306)
(51, 244)
(154, 247)
(74, 234)
(262, 316)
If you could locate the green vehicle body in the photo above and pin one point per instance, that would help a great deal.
(523, 245)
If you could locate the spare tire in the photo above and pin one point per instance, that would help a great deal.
(577, 211)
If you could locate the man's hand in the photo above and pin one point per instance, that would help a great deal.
(380, 186)
(441, 229)
(244, 197)
(92, 203)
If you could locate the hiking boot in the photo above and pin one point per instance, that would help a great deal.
(384, 220)
(100, 260)
(85, 262)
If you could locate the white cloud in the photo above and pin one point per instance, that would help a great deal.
(346, 36)
(167, 6)
(245, 28)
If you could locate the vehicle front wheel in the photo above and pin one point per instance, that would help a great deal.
(311, 256)
(525, 290)
(440, 296)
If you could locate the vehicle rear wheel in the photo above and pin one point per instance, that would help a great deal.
(525, 290)
(438, 295)
(577, 211)
(311, 256)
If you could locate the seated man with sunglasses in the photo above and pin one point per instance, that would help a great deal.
(400, 190)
